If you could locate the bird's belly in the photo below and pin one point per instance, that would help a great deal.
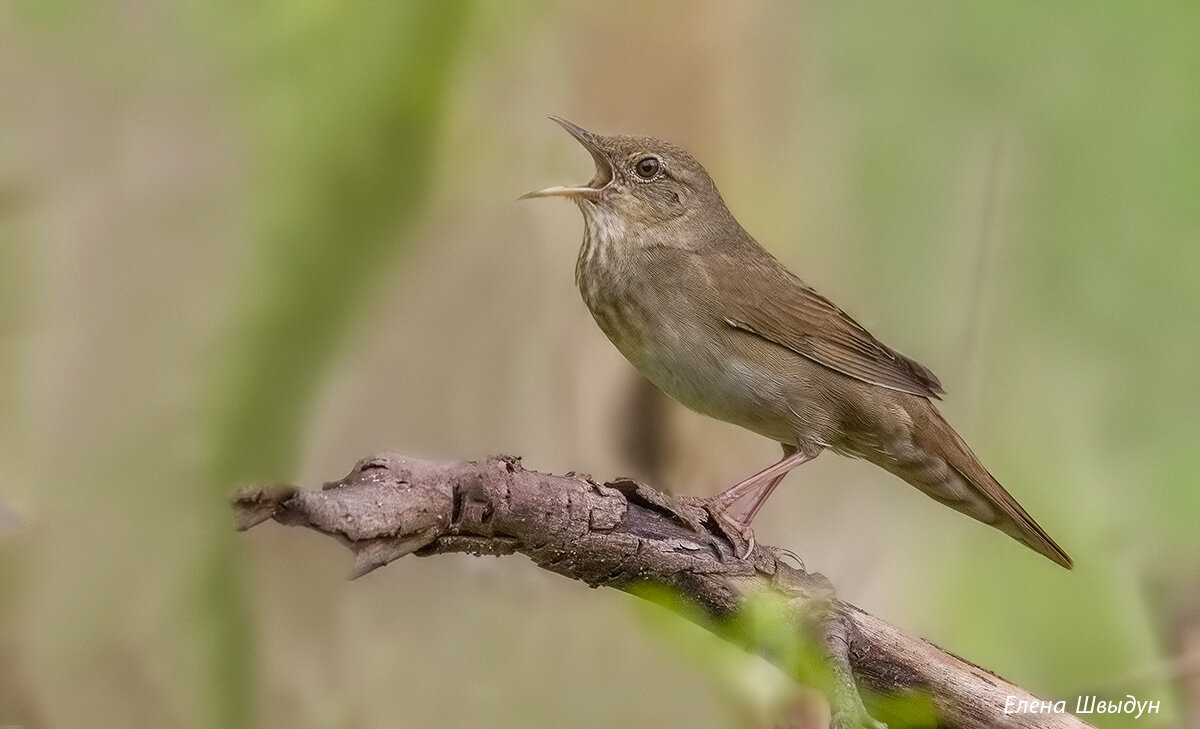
(699, 369)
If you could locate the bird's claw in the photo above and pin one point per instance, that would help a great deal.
(795, 557)
(747, 535)
(749, 549)
(740, 535)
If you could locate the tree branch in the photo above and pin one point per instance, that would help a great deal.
(628, 536)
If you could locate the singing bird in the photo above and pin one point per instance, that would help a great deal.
(715, 321)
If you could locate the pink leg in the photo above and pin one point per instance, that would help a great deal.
(768, 478)
(759, 499)
(764, 482)
(765, 493)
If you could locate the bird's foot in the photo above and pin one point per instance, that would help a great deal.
(739, 534)
(747, 534)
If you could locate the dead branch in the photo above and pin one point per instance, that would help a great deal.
(627, 536)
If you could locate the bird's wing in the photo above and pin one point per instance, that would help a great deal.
(760, 296)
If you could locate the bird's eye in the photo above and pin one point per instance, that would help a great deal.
(647, 168)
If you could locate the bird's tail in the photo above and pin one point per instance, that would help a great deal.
(951, 473)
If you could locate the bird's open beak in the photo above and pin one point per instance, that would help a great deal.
(604, 170)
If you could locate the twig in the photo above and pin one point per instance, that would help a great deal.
(628, 536)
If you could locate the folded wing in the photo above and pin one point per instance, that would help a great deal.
(783, 309)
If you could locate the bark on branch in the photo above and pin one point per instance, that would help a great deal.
(627, 536)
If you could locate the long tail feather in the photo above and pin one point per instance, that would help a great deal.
(953, 475)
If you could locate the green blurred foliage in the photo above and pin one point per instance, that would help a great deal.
(761, 661)
(343, 105)
(340, 104)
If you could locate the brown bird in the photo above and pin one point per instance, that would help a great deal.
(715, 321)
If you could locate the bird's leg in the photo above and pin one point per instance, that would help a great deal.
(760, 498)
(764, 493)
(764, 482)
(765, 478)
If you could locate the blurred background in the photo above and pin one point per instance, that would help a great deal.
(248, 242)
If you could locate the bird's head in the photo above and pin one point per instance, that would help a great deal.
(639, 181)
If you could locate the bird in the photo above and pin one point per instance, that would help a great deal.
(710, 317)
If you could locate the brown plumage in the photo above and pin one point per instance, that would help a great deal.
(710, 317)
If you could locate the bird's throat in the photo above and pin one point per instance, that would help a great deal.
(606, 242)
